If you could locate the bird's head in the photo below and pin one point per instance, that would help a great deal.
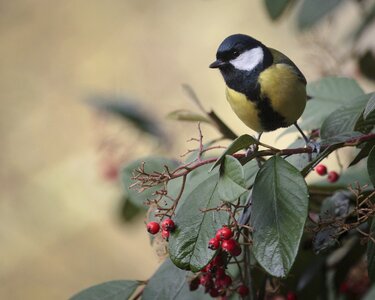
(240, 52)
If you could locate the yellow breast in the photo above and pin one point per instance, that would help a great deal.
(244, 109)
(286, 92)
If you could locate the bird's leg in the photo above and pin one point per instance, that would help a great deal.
(254, 148)
(314, 145)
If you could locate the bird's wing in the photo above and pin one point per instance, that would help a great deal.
(280, 58)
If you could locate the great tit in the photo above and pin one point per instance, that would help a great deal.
(263, 86)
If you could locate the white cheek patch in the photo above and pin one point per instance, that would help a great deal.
(248, 60)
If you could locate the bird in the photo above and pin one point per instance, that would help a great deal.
(265, 89)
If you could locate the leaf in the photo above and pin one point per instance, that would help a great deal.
(275, 8)
(232, 179)
(312, 11)
(331, 93)
(371, 252)
(129, 211)
(169, 282)
(371, 165)
(186, 115)
(370, 106)
(363, 153)
(111, 290)
(250, 170)
(280, 200)
(366, 64)
(345, 119)
(188, 244)
(242, 142)
(341, 138)
(152, 164)
(370, 294)
(127, 110)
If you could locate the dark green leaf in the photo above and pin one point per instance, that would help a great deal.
(188, 244)
(240, 143)
(111, 290)
(169, 282)
(370, 294)
(367, 64)
(341, 138)
(232, 179)
(280, 200)
(275, 8)
(363, 153)
(127, 110)
(371, 252)
(129, 211)
(331, 93)
(186, 115)
(152, 164)
(312, 11)
(250, 170)
(371, 166)
(344, 120)
(370, 106)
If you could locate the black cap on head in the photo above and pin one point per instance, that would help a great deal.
(233, 46)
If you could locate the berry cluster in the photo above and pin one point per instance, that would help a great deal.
(167, 226)
(322, 171)
(224, 240)
(215, 279)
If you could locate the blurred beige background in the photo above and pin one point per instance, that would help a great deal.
(59, 231)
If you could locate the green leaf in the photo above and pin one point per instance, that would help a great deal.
(232, 179)
(240, 143)
(250, 170)
(371, 252)
(345, 119)
(371, 165)
(370, 106)
(111, 290)
(312, 11)
(280, 200)
(275, 8)
(188, 244)
(341, 138)
(186, 115)
(127, 110)
(169, 282)
(363, 153)
(129, 211)
(366, 64)
(331, 93)
(152, 164)
(370, 294)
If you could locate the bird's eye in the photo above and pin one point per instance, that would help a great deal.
(235, 53)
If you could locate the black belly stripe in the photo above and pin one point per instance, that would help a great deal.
(269, 118)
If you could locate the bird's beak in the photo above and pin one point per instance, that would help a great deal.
(217, 64)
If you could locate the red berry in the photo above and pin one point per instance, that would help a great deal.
(214, 243)
(168, 224)
(194, 284)
(214, 292)
(220, 272)
(217, 260)
(243, 290)
(333, 176)
(224, 282)
(344, 288)
(291, 296)
(165, 234)
(321, 170)
(206, 280)
(236, 251)
(153, 227)
(225, 233)
(229, 245)
(210, 268)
